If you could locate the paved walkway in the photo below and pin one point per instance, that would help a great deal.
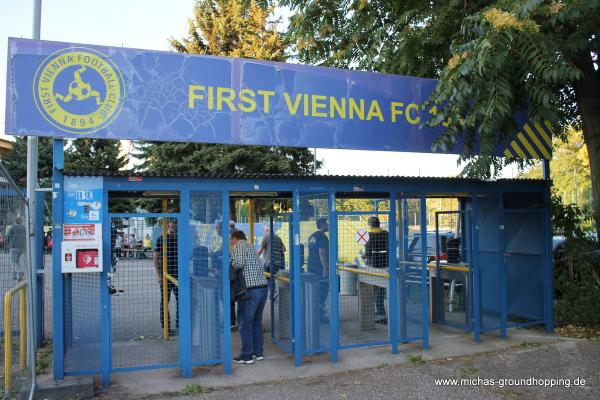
(376, 373)
(570, 359)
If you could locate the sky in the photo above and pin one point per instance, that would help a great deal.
(147, 24)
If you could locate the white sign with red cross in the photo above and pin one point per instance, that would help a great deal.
(362, 236)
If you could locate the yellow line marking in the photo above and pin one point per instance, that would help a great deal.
(527, 145)
(537, 142)
(518, 149)
(543, 134)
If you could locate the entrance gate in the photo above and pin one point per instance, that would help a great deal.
(136, 289)
(363, 267)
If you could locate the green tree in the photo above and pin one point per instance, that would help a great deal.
(231, 28)
(493, 58)
(16, 161)
(569, 170)
(94, 155)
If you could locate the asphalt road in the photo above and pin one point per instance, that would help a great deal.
(564, 359)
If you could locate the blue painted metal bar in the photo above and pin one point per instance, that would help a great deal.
(146, 215)
(524, 324)
(405, 185)
(424, 272)
(146, 368)
(438, 281)
(204, 363)
(184, 299)
(315, 351)
(366, 213)
(105, 300)
(476, 271)
(365, 345)
(227, 364)
(405, 257)
(503, 266)
(271, 282)
(393, 276)
(548, 264)
(333, 279)
(38, 265)
(83, 372)
(284, 346)
(58, 342)
(296, 282)
(468, 234)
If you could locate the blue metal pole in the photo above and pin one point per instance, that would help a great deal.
(58, 343)
(548, 264)
(227, 359)
(333, 278)
(184, 298)
(296, 282)
(105, 300)
(424, 291)
(272, 281)
(503, 255)
(393, 276)
(475, 270)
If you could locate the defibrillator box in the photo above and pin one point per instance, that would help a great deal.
(81, 256)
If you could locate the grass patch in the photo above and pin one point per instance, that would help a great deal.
(415, 359)
(509, 392)
(469, 369)
(529, 345)
(194, 388)
(42, 362)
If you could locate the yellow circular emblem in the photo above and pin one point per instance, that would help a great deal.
(78, 90)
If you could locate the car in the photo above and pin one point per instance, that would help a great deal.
(414, 245)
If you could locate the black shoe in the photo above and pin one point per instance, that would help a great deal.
(381, 320)
(258, 358)
(242, 360)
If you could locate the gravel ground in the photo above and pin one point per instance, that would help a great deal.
(563, 359)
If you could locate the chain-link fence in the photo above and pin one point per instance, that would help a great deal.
(278, 253)
(15, 278)
(363, 268)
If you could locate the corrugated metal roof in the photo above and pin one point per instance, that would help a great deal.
(127, 174)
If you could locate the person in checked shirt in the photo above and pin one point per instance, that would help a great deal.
(250, 311)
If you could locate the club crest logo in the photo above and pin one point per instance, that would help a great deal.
(78, 90)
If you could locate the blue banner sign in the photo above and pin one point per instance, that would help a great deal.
(69, 90)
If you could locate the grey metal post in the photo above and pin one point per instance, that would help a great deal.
(32, 184)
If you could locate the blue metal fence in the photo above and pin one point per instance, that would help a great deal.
(314, 304)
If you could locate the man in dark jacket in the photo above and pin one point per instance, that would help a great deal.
(377, 255)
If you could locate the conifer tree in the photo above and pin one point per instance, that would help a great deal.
(233, 28)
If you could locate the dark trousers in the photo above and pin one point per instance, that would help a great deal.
(379, 301)
(171, 287)
(232, 307)
(250, 315)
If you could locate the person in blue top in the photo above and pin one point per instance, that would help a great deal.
(318, 261)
